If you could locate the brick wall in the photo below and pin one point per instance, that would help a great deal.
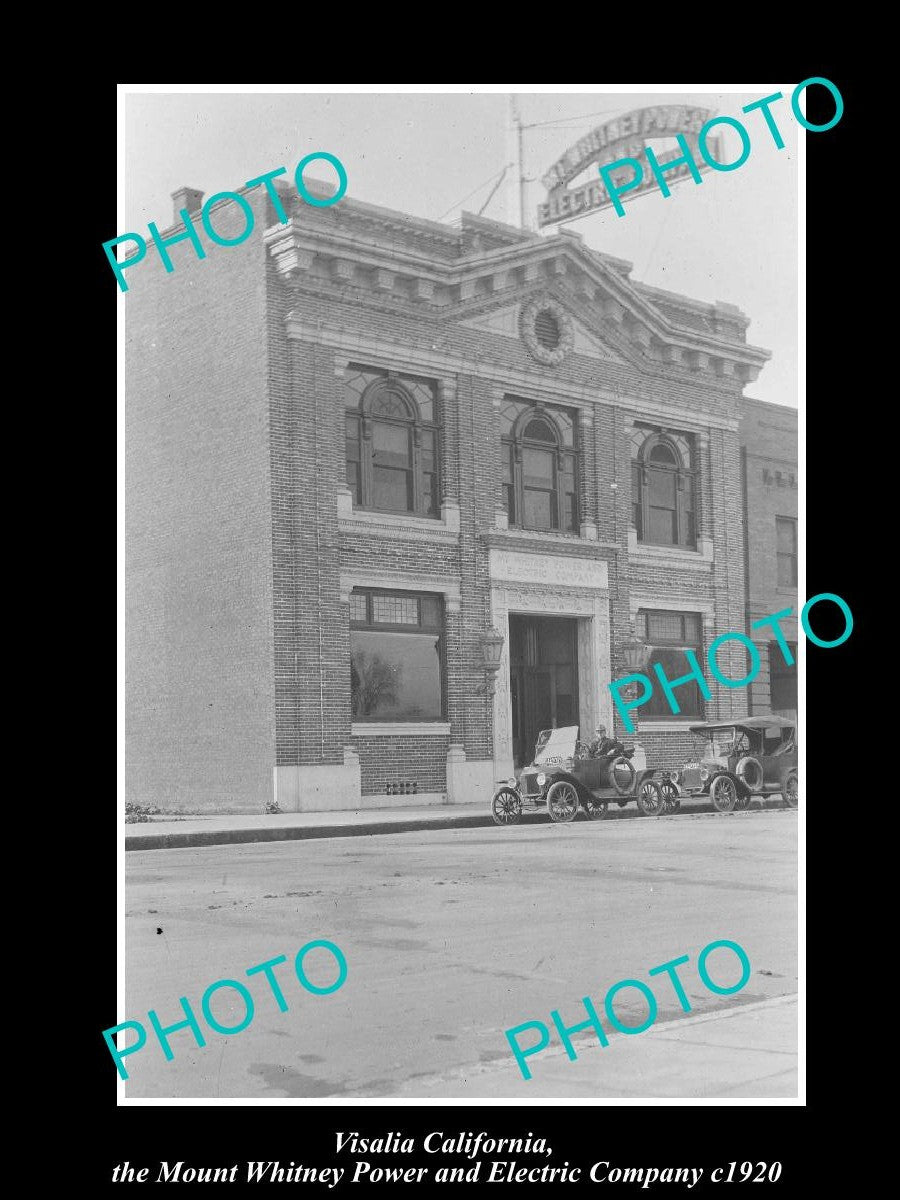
(239, 644)
(770, 472)
(199, 720)
(471, 475)
(387, 762)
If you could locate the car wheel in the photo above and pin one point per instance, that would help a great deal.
(650, 799)
(723, 793)
(743, 802)
(671, 799)
(562, 802)
(595, 809)
(791, 790)
(506, 807)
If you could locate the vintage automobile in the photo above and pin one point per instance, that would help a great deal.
(563, 777)
(736, 760)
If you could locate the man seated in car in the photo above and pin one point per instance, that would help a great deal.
(605, 747)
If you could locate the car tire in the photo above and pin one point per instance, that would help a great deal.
(562, 802)
(671, 799)
(749, 771)
(650, 799)
(723, 791)
(624, 789)
(791, 790)
(506, 807)
(595, 809)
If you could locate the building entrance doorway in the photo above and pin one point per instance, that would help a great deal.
(543, 670)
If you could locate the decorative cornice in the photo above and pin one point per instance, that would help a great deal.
(305, 255)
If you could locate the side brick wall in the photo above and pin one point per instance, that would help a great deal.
(199, 713)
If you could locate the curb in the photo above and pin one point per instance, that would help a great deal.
(233, 837)
(288, 833)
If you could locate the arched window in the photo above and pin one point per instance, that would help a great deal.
(663, 487)
(539, 466)
(392, 442)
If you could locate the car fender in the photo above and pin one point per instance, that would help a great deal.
(565, 777)
(742, 789)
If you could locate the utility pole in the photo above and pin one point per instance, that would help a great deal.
(517, 206)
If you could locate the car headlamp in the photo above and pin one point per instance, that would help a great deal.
(674, 776)
(513, 782)
(704, 774)
(541, 779)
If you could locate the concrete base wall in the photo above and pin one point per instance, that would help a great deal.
(468, 781)
(321, 787)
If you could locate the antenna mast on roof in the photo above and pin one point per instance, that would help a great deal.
(516, 192)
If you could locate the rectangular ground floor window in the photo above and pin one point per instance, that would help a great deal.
(396, 655)
(670, 634)
(782, 679)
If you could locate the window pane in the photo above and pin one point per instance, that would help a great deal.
(661, 488)
(395, 676)
(566, 423)
(665, 627)
(687, 534)
(787, 570)
(567, 489)
(355, 383)
(539, 431)
(691, 629)
(358, 607)
(424, 394)
(537, 467)
(432, 612)
(636, 506)
(662, 526)
(782, 680)
(352, 458)
(663, 454)
(539, 509)
(395, 610)
(509, 414)
(675, 664)
(391, 445)
(392, 489)
(787, 534)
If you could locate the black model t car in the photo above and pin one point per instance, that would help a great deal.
(736, 760)
(563, 776)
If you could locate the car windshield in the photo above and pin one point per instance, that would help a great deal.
(714, 744)
(555, 745)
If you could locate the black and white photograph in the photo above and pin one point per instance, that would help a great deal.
(464, 617)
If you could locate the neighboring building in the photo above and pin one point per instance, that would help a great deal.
(358, 442)
(769, 451)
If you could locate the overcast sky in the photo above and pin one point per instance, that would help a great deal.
(732, 238)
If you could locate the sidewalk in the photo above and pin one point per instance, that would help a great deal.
(748, 1050)
(233, 828)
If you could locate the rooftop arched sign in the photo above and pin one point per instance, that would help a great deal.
(623, 137)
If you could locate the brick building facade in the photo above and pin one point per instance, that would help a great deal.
(358, 442)
(769, 451)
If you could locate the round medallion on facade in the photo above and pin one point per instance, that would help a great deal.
(546, 330)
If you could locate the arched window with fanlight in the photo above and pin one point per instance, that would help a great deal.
(539, 459)
(392, 448)
(663, 487)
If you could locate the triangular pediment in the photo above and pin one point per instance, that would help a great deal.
(505, 321)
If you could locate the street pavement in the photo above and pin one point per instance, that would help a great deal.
(453, 936)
